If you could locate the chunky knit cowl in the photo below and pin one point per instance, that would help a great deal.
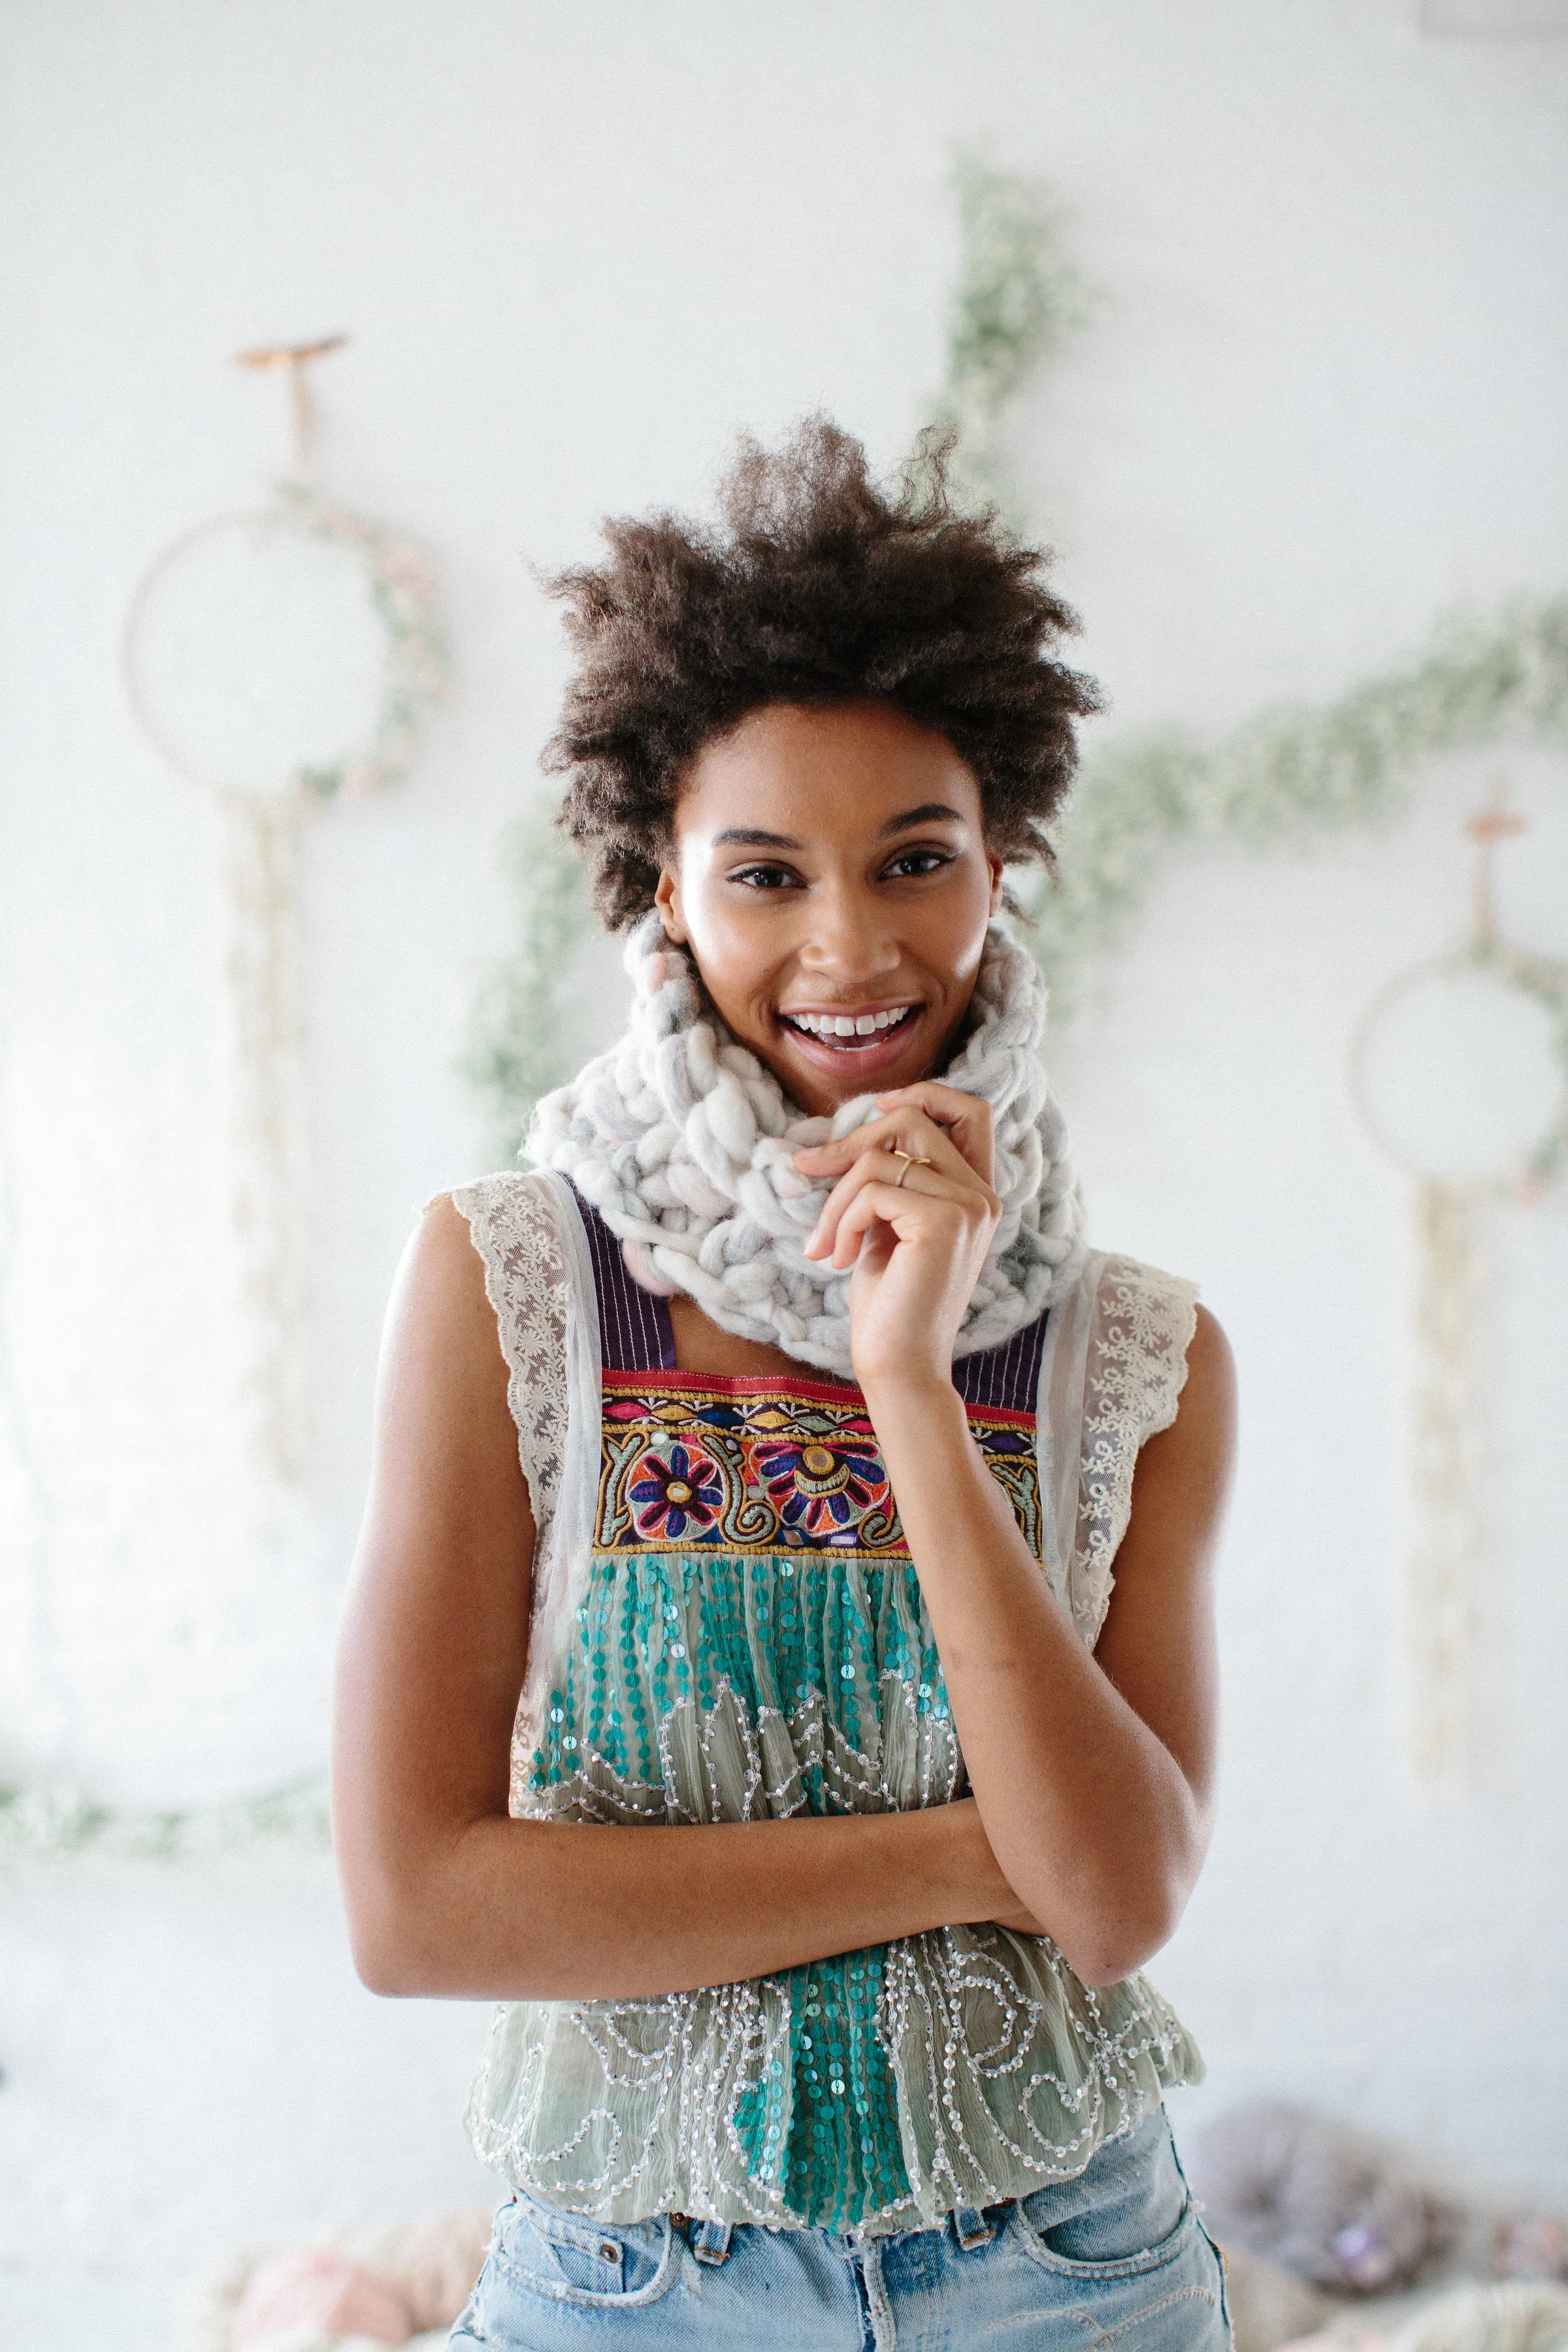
(682, 1140)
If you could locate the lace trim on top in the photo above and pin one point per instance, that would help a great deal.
(1135, 1370)
(513, 1226)
(512, 1221)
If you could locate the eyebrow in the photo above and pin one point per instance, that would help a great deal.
(749, 837)
(929, 813)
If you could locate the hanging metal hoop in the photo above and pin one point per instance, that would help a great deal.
(1445, 1404)
(1542, 981)
(401, 589)
(261, 832)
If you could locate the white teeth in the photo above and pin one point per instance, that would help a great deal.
(841, 1024)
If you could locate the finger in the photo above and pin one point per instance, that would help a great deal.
(901, 1131)
(873, 1192)
(870, 1168)
(897, 1206)
(964, 1117)
(902, 1148)
(967, 1119)
(879, 1169)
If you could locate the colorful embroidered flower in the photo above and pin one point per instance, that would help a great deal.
(670, 1496)
(824, 1487)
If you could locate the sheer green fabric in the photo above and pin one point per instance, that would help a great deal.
(737, 1647)
(880, 2087)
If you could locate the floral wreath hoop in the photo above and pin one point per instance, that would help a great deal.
(1446, 1538)
(261, 832)
(1542, 981)
(401, 591)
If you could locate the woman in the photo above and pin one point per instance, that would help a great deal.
(775, 1441)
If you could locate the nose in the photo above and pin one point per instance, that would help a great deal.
(848, 940)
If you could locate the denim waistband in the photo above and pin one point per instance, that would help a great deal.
(973, 2227)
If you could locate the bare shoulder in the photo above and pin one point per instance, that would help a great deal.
(440, 1258)
(1184, 1472)
(1208, 1394)
(1185, 1468)
(1158, 1641)
(439, 1292)
(442, 1367)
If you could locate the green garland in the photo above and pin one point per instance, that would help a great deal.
(1291, 775)
(517, 1052)
(1017, 302)
(55, 1824)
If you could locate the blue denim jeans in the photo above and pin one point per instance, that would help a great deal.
(1119, 2251)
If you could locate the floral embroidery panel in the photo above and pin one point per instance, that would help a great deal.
(745, 1466)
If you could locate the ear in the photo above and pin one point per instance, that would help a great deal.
(667, 899)
(995, 864)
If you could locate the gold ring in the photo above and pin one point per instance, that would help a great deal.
(911, 1159)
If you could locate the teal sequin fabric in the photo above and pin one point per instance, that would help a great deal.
(807, 1628)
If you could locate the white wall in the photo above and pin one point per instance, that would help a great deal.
(577, 246)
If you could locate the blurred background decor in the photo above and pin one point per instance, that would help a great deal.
(1314, 401)
(1459, 1069)
(248, 672)
(280, 657)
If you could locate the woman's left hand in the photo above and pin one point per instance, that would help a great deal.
(917, 1245)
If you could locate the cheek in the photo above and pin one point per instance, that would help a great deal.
(720, 934)
(955, 940)
(735, 953)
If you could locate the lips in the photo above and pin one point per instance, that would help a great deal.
(861, 1056)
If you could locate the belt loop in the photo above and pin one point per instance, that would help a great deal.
(971, 2229)
(710, 2241)
(879, 2309)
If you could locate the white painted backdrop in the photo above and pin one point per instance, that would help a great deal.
(577, 246)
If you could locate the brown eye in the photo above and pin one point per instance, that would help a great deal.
(765, 877)
(916, 862)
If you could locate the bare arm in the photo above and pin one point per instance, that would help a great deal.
(1093, 1774)
(444, 1893)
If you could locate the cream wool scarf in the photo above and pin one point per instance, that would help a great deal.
(682, 1140)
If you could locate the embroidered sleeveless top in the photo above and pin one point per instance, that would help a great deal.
(727, 1626)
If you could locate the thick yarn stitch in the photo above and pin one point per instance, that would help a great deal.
(682, 1140)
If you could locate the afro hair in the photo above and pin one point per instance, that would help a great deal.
(820, 588)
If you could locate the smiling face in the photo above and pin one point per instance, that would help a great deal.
(830, 875)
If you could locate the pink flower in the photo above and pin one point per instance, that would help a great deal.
(321, 2287)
